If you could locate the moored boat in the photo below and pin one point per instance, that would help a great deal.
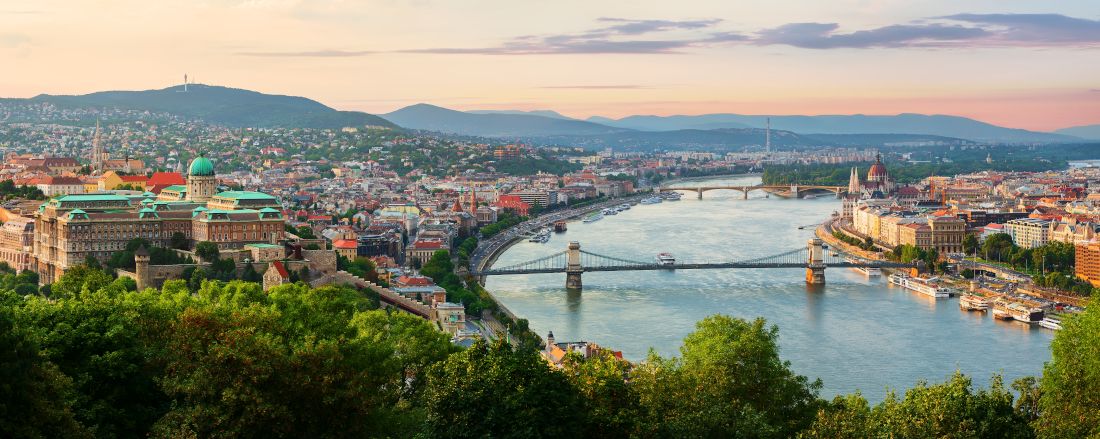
(973, 302)
(593, 217)
(1051, 323)
(1010, 310)
(928, 287)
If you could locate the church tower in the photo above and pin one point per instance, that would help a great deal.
(853, 182)
(201, 180)
(473, 200)
(98, 154)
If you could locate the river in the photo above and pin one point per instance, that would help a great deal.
(853, 333)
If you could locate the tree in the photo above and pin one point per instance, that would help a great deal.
(207, 250)
(611, 406)
(950, 409)
(1070, 401)
(179, 241)
(495, 391)
(970, 244)
(35, 397)
(729, 382)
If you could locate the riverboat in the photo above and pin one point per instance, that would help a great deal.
(593, 217)
(559, 226)
(928, 287)
(973, 302)
(666, 259)
(651, 200)
(1051, 323)
(866, 271)
(1009, 310)
(671, 196)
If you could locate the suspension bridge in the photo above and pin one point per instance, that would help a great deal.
(574, 261)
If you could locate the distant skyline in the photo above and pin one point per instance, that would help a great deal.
(1016, 63)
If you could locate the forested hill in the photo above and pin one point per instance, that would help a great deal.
(225, 106)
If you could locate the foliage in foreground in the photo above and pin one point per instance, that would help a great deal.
(98, 359)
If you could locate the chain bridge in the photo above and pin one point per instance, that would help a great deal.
(574, 261)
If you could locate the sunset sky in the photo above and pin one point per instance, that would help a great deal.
(1026, 64)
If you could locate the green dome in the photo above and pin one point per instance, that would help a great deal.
(201, 166)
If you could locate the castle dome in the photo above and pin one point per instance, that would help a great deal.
(201, 166)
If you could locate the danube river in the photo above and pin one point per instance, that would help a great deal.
(853, 333)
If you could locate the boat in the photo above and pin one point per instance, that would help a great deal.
(672, 196)
(928, 287)
(1009, 310)
(559, 226)
(866, 271)
(1051, 323)
(609, 211)
(809, 197)
(593, 217)
(542, 236)
(624, 206)
(651, 200)
(973, 302)
(666, 259)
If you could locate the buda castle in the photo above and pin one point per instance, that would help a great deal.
(70, 228)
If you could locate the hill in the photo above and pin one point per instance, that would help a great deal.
(908, 123)
(544, 113)
(433, 118)
(1091, 132)
(679, 139)
(225, 106)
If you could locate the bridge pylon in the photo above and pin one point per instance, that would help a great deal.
(815, 266)
(700, 193)
(573, 268)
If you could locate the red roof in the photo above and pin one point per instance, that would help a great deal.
(281, 269)
(415, 281)
(345, 244)
(427, 244)
(166, 179)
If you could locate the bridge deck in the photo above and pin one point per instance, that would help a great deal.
(654, 267)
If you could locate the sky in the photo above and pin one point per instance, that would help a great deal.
(1031, 64)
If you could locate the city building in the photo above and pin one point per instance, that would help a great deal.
(1029, 232)
(1087, 261)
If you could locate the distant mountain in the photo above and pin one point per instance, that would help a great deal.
(669, 123)
(1091, 132)
(937, 125)
(225, 106)
(680, 139)
(881, 139)
(433, 118)
(543, 113)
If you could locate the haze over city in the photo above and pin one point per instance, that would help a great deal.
(1019, 64)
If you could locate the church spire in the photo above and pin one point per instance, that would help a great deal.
(473, 199)
(97, 148)
(853, 182)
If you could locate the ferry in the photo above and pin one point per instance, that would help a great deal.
(593, 217)
(560, 227)
(1051, 323)
(972, 302)
(665, 259)
(866, 271)
(1008, 310)
(651, 200)
(927, 287)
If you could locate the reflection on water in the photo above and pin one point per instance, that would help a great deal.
(853, 332)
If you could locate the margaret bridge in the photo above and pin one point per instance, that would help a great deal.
(574, 261)
(792, 191)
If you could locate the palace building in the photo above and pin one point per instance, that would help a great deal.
(70, 228)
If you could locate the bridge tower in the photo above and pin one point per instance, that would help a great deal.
(573, 268)
(794, 191)
(815, 266)
(700, 193)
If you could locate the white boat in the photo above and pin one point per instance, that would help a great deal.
(593, 217)
(927, 287)
(972, 302)
(623, 207)
(866, 271)
(809, 197)
(665, 259)
(672, 196)
(1009, 310)
(650, 200)
(1051, 323)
